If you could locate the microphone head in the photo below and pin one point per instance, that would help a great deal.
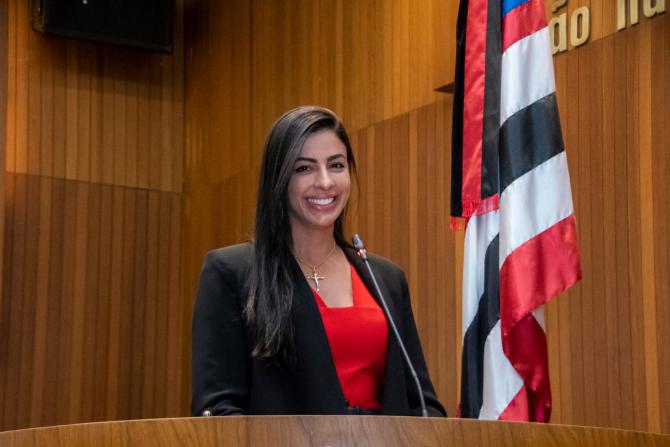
(358, 243)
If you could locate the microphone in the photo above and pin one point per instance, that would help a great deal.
(362, 252)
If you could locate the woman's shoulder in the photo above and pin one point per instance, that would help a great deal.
(385, 263)
(236, 258)
(383, 266)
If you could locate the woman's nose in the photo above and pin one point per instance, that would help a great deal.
(324, 179)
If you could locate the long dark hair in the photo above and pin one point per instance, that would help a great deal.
(269, 307)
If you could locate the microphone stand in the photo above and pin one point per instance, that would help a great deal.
(362, 252)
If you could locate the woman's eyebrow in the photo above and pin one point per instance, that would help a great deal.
(313, 160)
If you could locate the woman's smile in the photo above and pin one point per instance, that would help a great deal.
(321, 201)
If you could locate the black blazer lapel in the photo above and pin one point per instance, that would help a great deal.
(316, 378)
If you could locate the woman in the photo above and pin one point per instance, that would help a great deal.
(287, 324)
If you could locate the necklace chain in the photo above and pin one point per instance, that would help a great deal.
(315, 275)
(315, 267)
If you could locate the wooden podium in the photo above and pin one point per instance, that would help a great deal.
(323, 431)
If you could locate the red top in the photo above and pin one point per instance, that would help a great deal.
(357, 337)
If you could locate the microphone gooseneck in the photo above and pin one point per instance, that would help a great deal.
(362, 252)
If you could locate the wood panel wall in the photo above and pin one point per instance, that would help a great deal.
(92, 324)
(93, 113)
(608, 335)
(124, 167)
(248, 62)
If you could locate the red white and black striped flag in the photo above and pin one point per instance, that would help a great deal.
(510, 185)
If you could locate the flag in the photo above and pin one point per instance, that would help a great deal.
(511, 189)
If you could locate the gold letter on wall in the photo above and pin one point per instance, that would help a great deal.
(580, 30)
(650, 11)
(559, 33)
(558, 29)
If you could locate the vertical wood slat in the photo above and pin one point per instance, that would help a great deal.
(18, 38)
(661, 139)
(133, 125)
(32, 152)
(8, 73)
(68, 235)
(430, 217)
(104, 297)
(27, 333)
(176, 401)
(412, 208)
(614, 410)
(46, 143)
(4, 84)
(84, 112)
(41, 303)
(588, 227)
(647, 194)
(14, 287)
(382, 187)
(81, 208)
(164, 274)
(137, 302)
(120, 71)
(27, 288)
(150, 334)
(93, 303)
(571, 136)
(71, 58)
(621, 235)
(632, 89)
(5, 309)
(53, 392)
(107, 116)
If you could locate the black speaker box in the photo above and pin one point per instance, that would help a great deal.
(146, 24)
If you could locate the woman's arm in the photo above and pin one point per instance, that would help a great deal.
(219, 360)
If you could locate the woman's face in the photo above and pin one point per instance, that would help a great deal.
(319, 187)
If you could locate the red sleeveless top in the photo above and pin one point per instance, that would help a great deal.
(357, 337)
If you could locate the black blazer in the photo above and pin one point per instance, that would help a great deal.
(227, 381)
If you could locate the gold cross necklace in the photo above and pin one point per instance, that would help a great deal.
(315, 275)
